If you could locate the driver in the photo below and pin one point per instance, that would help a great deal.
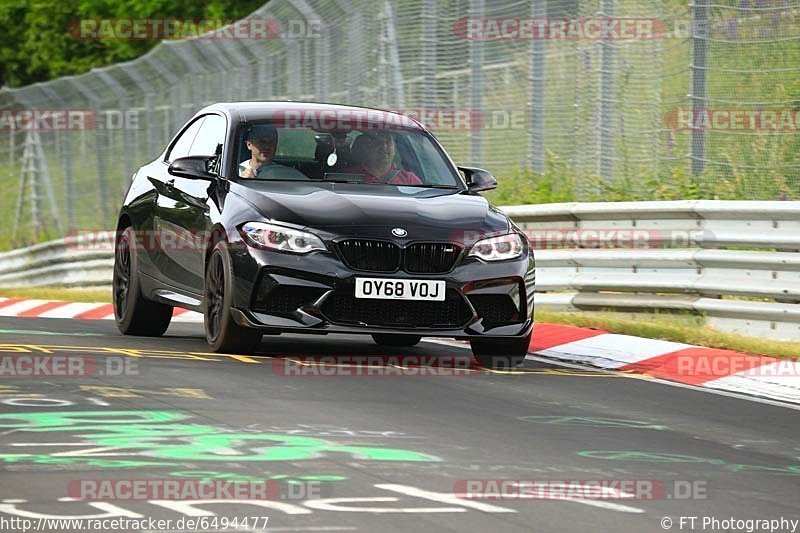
(375, 151)
(262, 141)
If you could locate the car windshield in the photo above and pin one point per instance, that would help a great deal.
(368, 156)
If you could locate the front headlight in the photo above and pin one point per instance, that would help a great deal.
(500, 248)
(272, 237)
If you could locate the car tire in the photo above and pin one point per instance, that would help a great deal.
(222, 333)
(396, 339)
(501, 353)
(134, 314)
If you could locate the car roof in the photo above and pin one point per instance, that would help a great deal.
(244, 112)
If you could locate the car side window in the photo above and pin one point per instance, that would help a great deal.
(211, 135)
(184, 142)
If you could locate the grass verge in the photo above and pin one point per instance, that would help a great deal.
(59, 293)
(686, 329)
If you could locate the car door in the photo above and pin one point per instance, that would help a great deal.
(185, 213)
(159, 241)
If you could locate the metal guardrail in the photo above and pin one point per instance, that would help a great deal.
(738, 263)
(84, 261)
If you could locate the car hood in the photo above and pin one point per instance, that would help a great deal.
(373, 210)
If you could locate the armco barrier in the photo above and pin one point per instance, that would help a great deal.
(84, 261)
(736, 262)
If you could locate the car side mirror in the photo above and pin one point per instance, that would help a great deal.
(478, 179)
(193, 167)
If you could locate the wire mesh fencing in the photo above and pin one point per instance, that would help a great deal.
(560, 99)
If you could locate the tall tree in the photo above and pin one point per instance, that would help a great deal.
(36, 45)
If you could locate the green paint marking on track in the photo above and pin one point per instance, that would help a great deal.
(57, 333)
(155, 435)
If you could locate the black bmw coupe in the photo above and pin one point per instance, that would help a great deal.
(276, 217)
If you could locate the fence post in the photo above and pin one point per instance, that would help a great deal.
(356, 67)
(428, 54)
(608, 97)
(265, 82)
(171, 120)
(122, 98)
(99, 147)
(476, 83)
(394, 76)
(699, 69)
(35, 176)
(293, 71)
(65, 157)
(69, 180)
(322, 44)
(538, 51)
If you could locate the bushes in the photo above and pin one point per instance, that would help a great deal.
(559, 183)
(555, 184)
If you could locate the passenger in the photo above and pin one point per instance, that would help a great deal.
(374, 155)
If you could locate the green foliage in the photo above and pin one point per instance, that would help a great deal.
(555, 184)
(35, 44)
(679, 185)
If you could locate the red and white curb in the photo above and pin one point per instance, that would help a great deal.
(725, 370)
(19, 307)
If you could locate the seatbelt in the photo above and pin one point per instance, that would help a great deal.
(395, 173)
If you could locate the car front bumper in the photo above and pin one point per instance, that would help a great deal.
(313, 293)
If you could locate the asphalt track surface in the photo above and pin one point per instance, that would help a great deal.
(423, 435)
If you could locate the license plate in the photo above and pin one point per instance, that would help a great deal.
(400, 289)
